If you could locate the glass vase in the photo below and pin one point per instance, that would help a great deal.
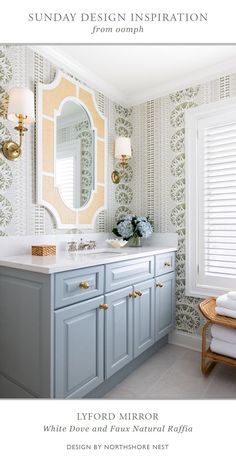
(135, 241)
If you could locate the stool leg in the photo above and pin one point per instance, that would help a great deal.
(206, 366)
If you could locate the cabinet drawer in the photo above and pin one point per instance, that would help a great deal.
(122, 274)
(164, 263)
(78, 285)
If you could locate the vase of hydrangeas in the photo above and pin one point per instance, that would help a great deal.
(133, 228)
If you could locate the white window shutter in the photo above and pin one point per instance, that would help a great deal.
(214, 180)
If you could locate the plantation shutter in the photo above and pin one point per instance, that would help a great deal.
(217, 199)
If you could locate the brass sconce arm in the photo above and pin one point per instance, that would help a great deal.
(20, 110)
(117, 175)
(12, 150)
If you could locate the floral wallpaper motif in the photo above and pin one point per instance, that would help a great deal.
(123, 194)
(6, 211)
(187, 314)
(121, 212)
(5, 67)
(177, 115)
(3, 101)
(183, 94)
(6, 178)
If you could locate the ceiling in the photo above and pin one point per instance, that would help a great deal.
(131, 74)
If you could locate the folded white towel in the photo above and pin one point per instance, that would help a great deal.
(232, 295)
(225, 302)
(227, 334)
(226, 312)
(223, 348)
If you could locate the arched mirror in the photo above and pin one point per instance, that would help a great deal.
(71, 153)
(74, 154)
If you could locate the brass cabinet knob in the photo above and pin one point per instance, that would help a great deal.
(159, 284)
(103, 306)
(132, 295)
(84, 285)
(139, 293)
(167, 263)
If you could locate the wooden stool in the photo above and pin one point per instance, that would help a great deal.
(209, 359)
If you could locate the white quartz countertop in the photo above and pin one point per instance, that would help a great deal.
(84, 259)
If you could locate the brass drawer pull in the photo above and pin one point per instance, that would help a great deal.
(84, 285)
(103, 306)
(139, 293)
(159, 284)
(132, 295)
(167, 263)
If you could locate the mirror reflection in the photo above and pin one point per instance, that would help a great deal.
(74, 154)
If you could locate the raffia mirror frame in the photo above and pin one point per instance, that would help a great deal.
(50, 98)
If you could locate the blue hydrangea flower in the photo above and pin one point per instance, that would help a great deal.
(144, 228)
(142, 218)
(125, 229)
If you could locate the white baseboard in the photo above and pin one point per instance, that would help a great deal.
(191, 341)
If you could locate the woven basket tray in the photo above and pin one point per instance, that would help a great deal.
(43, 250)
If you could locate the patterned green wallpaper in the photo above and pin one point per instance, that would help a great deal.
(154, 183)
(123, 191)
(6, 177)
(187, 313)
(159, 126)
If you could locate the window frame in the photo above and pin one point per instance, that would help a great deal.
(195, 285)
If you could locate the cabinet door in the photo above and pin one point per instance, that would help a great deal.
(143, 316)
(79, 348)
(118, 330)
(165, 304)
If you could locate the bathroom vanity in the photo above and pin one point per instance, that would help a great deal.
(71, 328)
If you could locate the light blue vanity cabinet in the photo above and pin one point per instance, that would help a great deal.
(144, 316)
(118, 330)
(121, 274)
(77, 285)
(129, 319)
(79, 348)
(129, 324)
(165, 294)
(75, 333)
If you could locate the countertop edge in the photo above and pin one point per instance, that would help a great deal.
(50, 268)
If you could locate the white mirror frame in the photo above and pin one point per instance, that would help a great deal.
(50, 99)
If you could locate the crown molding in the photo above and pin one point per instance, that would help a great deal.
(97, 83)
(194, 78)
(82, 73)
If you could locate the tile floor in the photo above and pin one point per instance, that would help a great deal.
(174, 373)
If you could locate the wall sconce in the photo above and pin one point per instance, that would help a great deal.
(123, 153)
(20, 110)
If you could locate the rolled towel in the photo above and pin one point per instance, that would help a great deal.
(232, 295)
(227, 334)
(226, 312)
(225, 302)
(223, 348)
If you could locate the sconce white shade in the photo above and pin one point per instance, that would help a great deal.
(122, 147)
(21, 101)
